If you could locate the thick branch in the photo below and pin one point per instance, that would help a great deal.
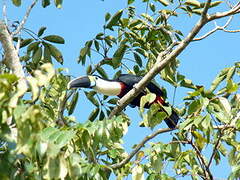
(139, 146)
(11, 58)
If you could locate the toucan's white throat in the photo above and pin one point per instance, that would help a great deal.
(110, 88)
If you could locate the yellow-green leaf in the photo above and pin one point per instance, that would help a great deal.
(164, 2)
(114, 20)
(16, 2)
(193, 3)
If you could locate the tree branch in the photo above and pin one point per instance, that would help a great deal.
(203, 162)
(139, 146)
(163, 60)
(215, 29)
(19, 28)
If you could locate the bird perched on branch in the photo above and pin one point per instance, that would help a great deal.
(121, 86)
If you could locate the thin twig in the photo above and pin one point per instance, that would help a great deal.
(215, 29)
(202, 161)
(61, 120)
(4, 13)
(139, 146)
(19, 28)
(215, 148)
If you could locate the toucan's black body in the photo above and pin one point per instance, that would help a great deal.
(121, 86)
(130, 80)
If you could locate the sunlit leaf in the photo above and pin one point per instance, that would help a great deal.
(114, 20)
(193, 3)
(58, 3)
(16, 2)
(164, 2)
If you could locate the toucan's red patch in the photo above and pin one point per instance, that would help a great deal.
(159, 100)
(123, 89)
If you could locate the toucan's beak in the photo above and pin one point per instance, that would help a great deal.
(80, 82)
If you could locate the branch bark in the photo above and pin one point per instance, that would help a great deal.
(139, 146)
(11, 59)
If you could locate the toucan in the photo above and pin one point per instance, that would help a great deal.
(121, 86)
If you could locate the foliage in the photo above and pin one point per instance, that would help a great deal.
(44, 142)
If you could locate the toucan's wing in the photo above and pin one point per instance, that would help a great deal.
(130, 80)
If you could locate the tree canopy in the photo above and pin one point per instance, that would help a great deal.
(42, 138)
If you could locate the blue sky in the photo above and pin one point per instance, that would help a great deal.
(80, 21)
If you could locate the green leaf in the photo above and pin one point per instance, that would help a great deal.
(107, 16)
(45, 3)
(220, 77)
(34, 87)
(93, 114)
(194, 107)
(114, 20)
(130, 2)
(152, 7)
(187, 83)
(102, 72)
(73, 103)
(33, 46)
(164, 2)
(47, 55)
(118, 55)
(97, 46)
(99, 36)
(42, 29)
(58, 3)
(16, 2)
(54, 39)
(231, 86)
(149, 98)
(224, 103)
(215, 3)
(91, 98)
(55, 52)
(25, 42)
(193, 3)
(37, 55)
(137, 173)
(137, 59)
(47, 132)
(64, 138)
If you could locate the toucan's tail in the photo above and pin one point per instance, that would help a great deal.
(172, 120)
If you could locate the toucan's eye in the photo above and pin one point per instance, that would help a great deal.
(96, 78)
